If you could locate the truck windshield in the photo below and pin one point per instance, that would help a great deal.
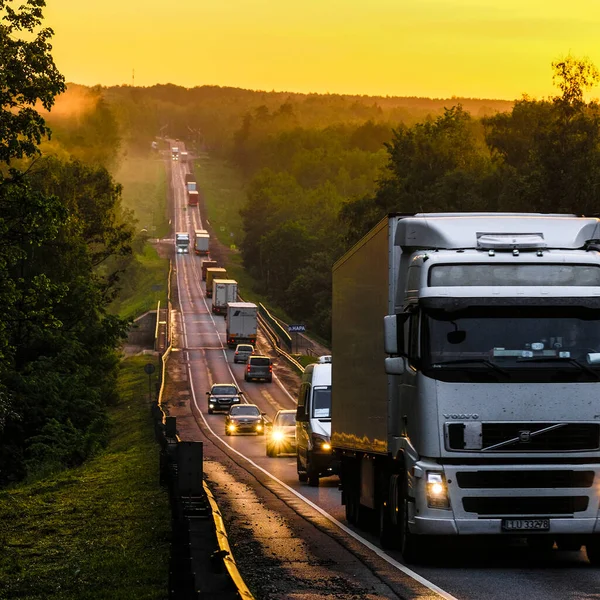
(512, 344)
(322, 402)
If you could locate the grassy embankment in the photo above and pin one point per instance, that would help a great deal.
(144, 183)
(224, 192)
(225, 195)
(99, 531)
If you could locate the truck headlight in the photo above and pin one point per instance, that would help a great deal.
(437, 490)
(320, 444)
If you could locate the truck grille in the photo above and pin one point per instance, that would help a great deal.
(539, 506)
(528, 437)
(524, 479)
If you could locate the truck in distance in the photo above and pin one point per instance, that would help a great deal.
(182, 242)
(192, 198)
(214, 273)
(224, 291)
(201, 241)
(183, 155)
(242, 323)
(190, 182)
(206, 264)
(466, 379)
(174, 153)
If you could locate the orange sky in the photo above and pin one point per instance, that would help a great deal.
(434, 48)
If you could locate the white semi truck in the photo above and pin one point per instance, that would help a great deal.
(182, 242)
(201, 242)
(224, 291)
(466, 379)
(242, 323)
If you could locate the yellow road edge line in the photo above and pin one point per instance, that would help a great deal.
(223, 541)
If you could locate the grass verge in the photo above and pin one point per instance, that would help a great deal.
(224, 194)
(99, 531)
(144, 181)
(143, 285)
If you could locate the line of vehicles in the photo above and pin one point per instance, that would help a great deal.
(463, 398)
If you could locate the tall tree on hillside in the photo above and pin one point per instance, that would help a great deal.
(549, 151)
(438, 165)
(27, 76)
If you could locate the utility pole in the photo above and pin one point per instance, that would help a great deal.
(133, 78)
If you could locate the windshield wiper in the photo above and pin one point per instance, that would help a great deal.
(477, 361)
(568, 359)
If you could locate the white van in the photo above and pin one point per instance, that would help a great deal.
(313, 423)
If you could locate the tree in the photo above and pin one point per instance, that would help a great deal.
(548, 152)
(27, 75)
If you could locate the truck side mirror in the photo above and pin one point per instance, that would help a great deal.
(301, 415)
(395, 365)
(393, 331)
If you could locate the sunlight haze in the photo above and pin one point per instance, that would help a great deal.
(476, 48)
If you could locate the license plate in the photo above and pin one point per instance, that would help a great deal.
(526, 524)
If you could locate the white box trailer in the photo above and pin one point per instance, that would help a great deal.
(242, 323)
(224, 291)
(466, 379)
(201, 242)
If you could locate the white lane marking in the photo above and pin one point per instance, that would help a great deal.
(278, 382)
(270, 399)
(399, 566)
(394, 563)
(366, 543)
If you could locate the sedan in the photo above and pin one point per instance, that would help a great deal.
(245, 418)
(281, 437)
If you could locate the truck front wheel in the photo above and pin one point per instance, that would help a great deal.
(410, 545)
(389, 532)
(302, 475)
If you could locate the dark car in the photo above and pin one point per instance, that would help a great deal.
(259, 367)
(223, 396)
(281, 436)
(245, 418)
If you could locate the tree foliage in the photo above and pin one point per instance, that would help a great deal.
(62, 230)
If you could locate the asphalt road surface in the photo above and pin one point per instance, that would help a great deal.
(292, 540)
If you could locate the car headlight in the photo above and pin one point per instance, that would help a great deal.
(437, 490)
(278, 436)
(231, 427)
(259, 427)
(211, 405)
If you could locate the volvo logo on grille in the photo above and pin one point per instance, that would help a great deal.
(461, 416)
(524, 436)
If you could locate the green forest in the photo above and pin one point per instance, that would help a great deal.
(317, 172)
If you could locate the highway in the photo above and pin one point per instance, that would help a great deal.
(300, 542)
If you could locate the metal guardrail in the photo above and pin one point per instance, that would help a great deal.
(167, 435)
(276, 326)
(274, 341)
(224, 547)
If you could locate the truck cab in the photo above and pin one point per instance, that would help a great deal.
(313, 423)
(466, 379)
(182, 242)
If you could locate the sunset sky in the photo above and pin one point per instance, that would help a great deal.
(443, 48)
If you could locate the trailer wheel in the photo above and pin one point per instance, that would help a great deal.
(592, 548)
(410, 545)
(351, 507)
